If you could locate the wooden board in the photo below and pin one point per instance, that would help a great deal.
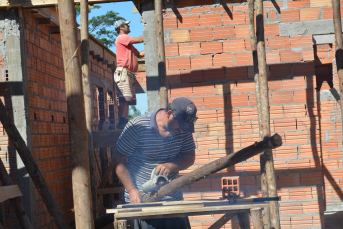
(45, 3)
(179, 208)
(9, 192)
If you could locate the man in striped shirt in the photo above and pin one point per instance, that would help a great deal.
(163, 140)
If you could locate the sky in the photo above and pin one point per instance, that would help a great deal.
(125, 10)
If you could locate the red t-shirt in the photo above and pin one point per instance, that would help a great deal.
(126, 53)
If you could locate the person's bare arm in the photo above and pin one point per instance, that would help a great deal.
(141, 54)
(124, 175)
(136, 40)
(184, 161)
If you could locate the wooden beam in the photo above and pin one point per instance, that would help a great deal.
(33, 170)
(161, 59)
(88, 97)
(215, 166)
(243, 219)
(43, 21)
(45, 3)
(54, 29)
(110, 190)
(339, 52)
(223, 220)
(82, 195)
(266, 158)
(15, 199)
(256, 217)
(104, 139)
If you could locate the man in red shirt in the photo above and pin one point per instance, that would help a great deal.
(127, 65)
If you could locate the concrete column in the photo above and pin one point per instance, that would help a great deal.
(12, 47)
(151, 67)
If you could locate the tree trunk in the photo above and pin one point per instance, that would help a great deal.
(33, 170)
(82, 195)
(160, 54)
(266, 158)
(339, 52)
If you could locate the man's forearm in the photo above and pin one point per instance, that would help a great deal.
(124, 175)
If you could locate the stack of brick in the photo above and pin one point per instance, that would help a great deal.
(209, 60)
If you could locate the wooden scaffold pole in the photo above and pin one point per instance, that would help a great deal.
(339, 52)
(161, 54)
(87, 90)
(268, 181)
(82, 195)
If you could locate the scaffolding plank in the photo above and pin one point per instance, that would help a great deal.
(44, 3)
(9, 192)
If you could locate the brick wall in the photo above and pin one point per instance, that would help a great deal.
(209, 60)
(49, 119)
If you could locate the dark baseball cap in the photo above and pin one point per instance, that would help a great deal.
(185, 112)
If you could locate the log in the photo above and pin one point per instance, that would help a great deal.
(18, 208)
(256, 218)
(87, 90)
(161, 54)
(215, 166)
(82, 195)
(223, 220)
(33, 170)
(339, 52)
(243, 219)
(268, 181)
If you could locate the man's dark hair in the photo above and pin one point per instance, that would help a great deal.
(118, 29)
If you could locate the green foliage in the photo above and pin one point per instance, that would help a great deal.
(102, 27)
(134, 112)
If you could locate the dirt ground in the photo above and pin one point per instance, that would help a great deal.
(334, 220)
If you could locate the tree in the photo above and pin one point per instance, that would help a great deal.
(102, 27)
(134, 112)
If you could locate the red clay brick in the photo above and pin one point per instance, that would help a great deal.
(189, 48)
(301, 41)
(308, 55)
(210, 20)
(203, 89)
(203, 61)
(310, 14)
(188, 76)
(177, 12)
(278, 42)
(298, 4)
(284, 97)
(189, 22)
(290, 56)
(169, 23)
(171, 49)
(290, 208)
(314, 178)
(223, 60)
(244, 58)
(181, 90)
(179, 63)
(236, 18)
(177, 36)
(211, 47)
(235, 45)
(200, 10)
(303, 69)
(290, 15)
(289, 180)
(214, 74)
(201, 34)
(273, 57)
(226, 32)
(173, 77)
(271, 30)
(242, 31)
(237, 100)
(211, 102)
(320, 3)
(294, 83)
(236, 73)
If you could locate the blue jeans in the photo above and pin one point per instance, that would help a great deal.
(162, 223)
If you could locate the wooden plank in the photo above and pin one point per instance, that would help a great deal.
(9, 192)
(110, 190)
(160, 208)
(223, 220)
(101, 82)
(45, 3)
(103, 139)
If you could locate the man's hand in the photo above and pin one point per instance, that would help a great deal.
(141, 54)
(163, 169)
(135, 196)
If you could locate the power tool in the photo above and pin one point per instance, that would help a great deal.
(155, 183)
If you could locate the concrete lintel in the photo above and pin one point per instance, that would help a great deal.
(101, 83)
(307, 27)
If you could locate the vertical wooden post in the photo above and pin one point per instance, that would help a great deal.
(243, 219)
(256, 218)
(160, 54)
(339, 52)
(82, 195)
(266, 158)
(264, 186)
(15, 202)
(87, 90)
(33, 170)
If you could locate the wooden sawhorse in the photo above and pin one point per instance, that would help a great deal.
(189, 208)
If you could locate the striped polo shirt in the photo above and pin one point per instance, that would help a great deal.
(145, 148)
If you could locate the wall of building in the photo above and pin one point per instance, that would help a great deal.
(49, 119)
(209, 60)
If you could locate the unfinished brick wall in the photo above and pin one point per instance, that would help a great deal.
(49, 119)
(209, 60)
